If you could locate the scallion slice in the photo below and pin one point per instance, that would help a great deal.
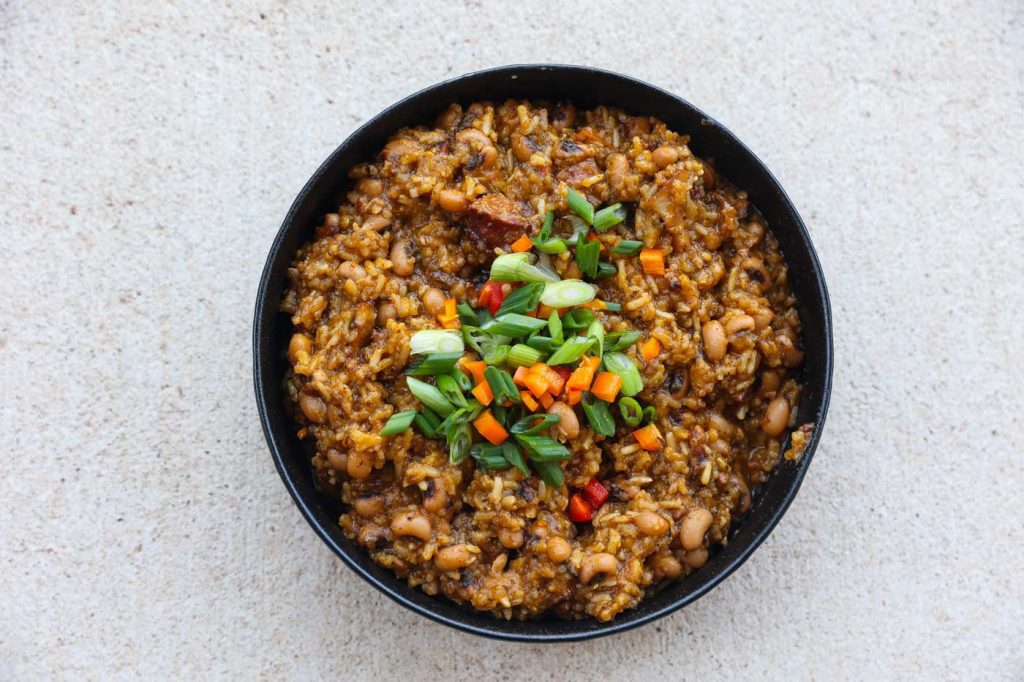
(598, 415)
(580, 206)
(612, 306)
(434, 364)
(467, 316)
(545, 229)
(450, 389)
(459, 441)
(570, 351)
(398, 423)
(630, 411)
(588, 253)
(522, 355)
(650, 414)
(568, 292)
(580, 230)
(608, 217)
(628, 247)
(619, 340)
(596, 331)
(502, 385)
(430, 396)
(543, 448)
(551, 246)
(489, 457)
(424, 425)
(464, 382)
(605, 270)
(516, 267)
(497, 355)
(544, 344)
(510, 451)
(436, 341)
(522, 300)
(621, 364)
(514, 324)
(550, 473)
(555, 327)
(533, 424)
(577, 319)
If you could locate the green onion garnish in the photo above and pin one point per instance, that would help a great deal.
(522, 355)
(501, 385)
(436, 341)
(570, 351)
(545, 229)
(551, 246)
(619, 340)
(424, 424)
(580, 206)
(522, 300)
(465, 383)
(598, 415)
(628, 247)
(580, 230)
(398, 423)
(466, 314)
(459, 440)
(577, 319)
(543, 448)
(450, 389)
(514, 324)
(511, 453)
(555, 327)
(430, 396)
(605, 270)
(596, 332)
(550, 473)
(489, 457)
(433, 364)
(544, 344)
(530, 426)
(497, 355)
(567, 293)
(516, 267)
(622, 365)
(587, 255)
(612, 306)
(608, 217)
(630, 411)
(650, 414)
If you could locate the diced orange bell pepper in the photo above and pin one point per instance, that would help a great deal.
(546, 400)
(648, 437)
(537, 384)
(483, 393)
(490, 429)
(573, 396)
(650, 349)
(529, 401)
(652, 261)
(522, 244)
(606, 386)
(475, 368)
(519, 378)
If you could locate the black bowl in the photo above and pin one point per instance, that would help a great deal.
(586, 87)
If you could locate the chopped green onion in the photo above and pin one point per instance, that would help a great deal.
(543, 448)
(580, 206)
(628, 247)
(464, 382)
(555, 327)
(501, 385)
(430, 396)
(622, 365)
(500, 414)
(436, 341)
(466, 314)
(598, 415)
(398, 423)
(516, 267)
(473, 336)
(459, 441)
(514, 324)
(587, 255)
(544, 344)
(619, 340)
(650, 414)
(608, 217)
(511, 453)
(523, 355)
(580, 230)
(630, 411)
(529, 426)
(612, 306)
(570, 351)
(596, 331)
(449, 388)
(567, 293)
(550, 473)
(605, 270)
(489, 457)
(545, 229)
(497, 355)
(551, 246)
(424, 425)
(433, 364)
(577, 319)
(522, 300)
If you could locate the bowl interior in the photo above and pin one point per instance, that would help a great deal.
(586, 88)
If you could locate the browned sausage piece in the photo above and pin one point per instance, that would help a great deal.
(496, 220)
(578, 172)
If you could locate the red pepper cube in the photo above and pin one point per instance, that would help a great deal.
(579, 509)
(595, 493)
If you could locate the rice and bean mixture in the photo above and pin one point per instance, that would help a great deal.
(399, 300)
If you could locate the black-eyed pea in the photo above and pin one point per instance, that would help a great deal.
(664, 156)
(411, 525)
(314, 407)
(738, 324)
(597, 564)
(299, 343)
(776, 417)
(370, 186)
(454, 557)
(651, 523)
(433, 301)
(351, 270)
(359, 465)
(568, 426)
(715, 340)
(435, 497)
(558, 549)
(385, 312)
(511, 539)
(695, 524)
(452, 200)
(402, 260)
(368, 507)
(337, 459)
(695, 558)
(666, 566)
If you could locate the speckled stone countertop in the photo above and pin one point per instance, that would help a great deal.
(148, 152)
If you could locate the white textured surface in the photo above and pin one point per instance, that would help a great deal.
(148, 152)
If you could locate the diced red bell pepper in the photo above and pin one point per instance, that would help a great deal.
(595, 493)
(563, 372)
(579, 509)
(491, 296)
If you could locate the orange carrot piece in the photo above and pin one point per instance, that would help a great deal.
(522, 244)
(653, 261)
(648, 437)
(450, 309)
(555, 380)
(519, 378)
(475, 368)
(573, 396)
(606, 386)
(490, 429)
(483, 393)
(537, 384)
(546, 400)
(528, 400)
(649, 349)
(449, 322)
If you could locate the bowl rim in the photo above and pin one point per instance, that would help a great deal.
(624, 622)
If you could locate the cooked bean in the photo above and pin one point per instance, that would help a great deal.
(757, 272)
(776, 417)
(370, 186)
(368, 506)
(664, 156)
(395, 150)
(793, 357)
(770, 383)
(351, 270)
(299, 343)
(411, 524)
(695, 558)
(745, 500)
(616, 170)
(695, 525)
(651, 523)
(511, 539)
(385, 312)
(373, 536)
(596, 564)
(359, 465)
(376, 223)
(725, 428)
(455, 557)
(558, 549)
(474, 138)
(715, 340)
(313, 407)
(402, 260)
(433, 301)
(337, 459)
(763, 318)
(568, 426)
(332, 220)
(435, 497)
(740, 323)
(666, 566)
(523, 147)
(450, 116)
(452, 200)
(489, 155)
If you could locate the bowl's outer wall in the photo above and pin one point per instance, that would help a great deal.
(586, 88)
